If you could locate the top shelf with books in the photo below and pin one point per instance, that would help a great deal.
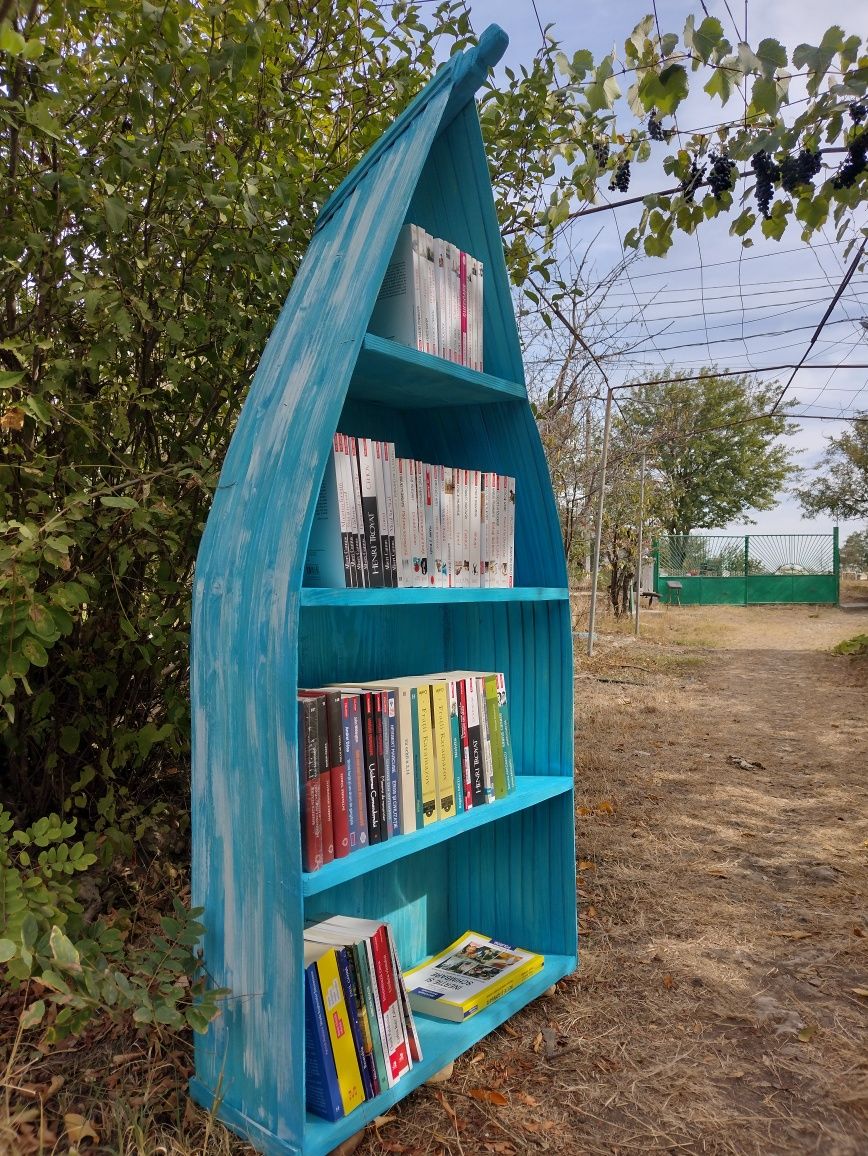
(388, 373)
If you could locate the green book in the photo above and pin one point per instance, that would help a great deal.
(495, 732)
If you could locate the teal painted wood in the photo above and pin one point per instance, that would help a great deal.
(257, 635)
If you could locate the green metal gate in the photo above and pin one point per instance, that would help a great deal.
(715, 570)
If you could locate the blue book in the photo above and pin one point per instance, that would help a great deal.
(390, 726)
(321, 1092)
(355, 1025)
(417, 758)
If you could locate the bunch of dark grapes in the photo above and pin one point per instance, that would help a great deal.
(767, 173)
(655, 128)
(721, 178)
(800, 170)
(858, 111)
(854, 163)
(621, 176)
(601, 152)
(692, 181)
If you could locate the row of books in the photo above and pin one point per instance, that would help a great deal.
(382, 520)
(431, 298)
(392, 756)
(360, 1038)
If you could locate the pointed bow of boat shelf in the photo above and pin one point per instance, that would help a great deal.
(393, 374)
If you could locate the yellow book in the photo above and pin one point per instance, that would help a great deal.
(467, 976)
(443, 749)
(427, 763)
(338, 1020)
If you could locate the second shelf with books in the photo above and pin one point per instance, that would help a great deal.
(530, 791)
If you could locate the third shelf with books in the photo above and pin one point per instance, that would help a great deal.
(389, 757)
(388, 521)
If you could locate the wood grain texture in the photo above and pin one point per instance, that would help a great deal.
(257, 635)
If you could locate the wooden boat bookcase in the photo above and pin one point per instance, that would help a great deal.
(507, 869)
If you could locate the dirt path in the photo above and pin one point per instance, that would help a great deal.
(724, 925)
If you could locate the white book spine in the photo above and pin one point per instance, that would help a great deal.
(440, 575)
(399, 498)
(388, 478)
(480, 313)
(431, 274)
(466, 577)
(448, 508)
(484, 525)
(407, 777)
(346, 505)
(471, 311)
(428, 500)
(412, 497)
(510, 532)
(475, 527)
(380, 487)
(440, 296)
(353, 457)
(454, 272)
(499, 575)
(421, 540)
(418, 286)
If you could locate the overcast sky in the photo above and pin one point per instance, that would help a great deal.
(709, 300)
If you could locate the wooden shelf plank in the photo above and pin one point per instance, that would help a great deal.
(530, 790)
(405, 596)
(391, 374)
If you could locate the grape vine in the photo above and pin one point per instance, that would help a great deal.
(854, 163)
(621, 176)
(692, 181)
(721, 178)
(767, 173)
(800, 170)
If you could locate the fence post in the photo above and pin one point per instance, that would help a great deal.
(836, 566)
(746, 564)
(655, 550)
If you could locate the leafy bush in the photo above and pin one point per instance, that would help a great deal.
(854, 646)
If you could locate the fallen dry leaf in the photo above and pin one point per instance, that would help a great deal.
(524, 1098)
(718, 874)
(538, 1042)
(500, 1146)
(381, 1121)
(858, 931)
(584, 810)
(792, 934)
(587, 865)
(807, 1034)
(668, 981)
(78, 1129)
(489, 1096)
(606, 807)
(863, 991)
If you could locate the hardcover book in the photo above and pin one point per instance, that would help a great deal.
(467, 976)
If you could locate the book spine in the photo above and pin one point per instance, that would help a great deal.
(373, 798)
(442, 749)
(412, 500)
(365, 977)
(480, 314)
(325, 780)
(440, 277)
(428, 492)
(471, 311)
(441, 575)
(484, 516)
(370, 513)
(381, 725)
(431, 298)
(364, 575)
(355, 757)
(499, 551)
(447, 518)
(453, 275)
(309, 768)
(505, 736)
(337, 774)
(510, 532)
(401, 525)
(393, 768)
(391, 494)
(364, 1018)
(342, 954)
(417, 758)
(337, 1019)
(455, 736)
(395, 1043)
(474, 738)
(322, 1093)
(430, 803)
(466, 764)
(407, 788)
(417, 290)
(410, 1032)
(377, 449)
(508, 983)
(343, 508)
(492, 709)
(352, 516)
(462, 290)
(487, 770)
(475, 526)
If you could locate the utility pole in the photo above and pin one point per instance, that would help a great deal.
(595, 570)
(639, 547)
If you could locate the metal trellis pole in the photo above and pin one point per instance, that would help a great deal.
(639, 547)
(595, 571)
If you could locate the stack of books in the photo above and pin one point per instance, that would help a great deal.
(431, 298)
(392, 756)
(383, 521)
(360, 1038)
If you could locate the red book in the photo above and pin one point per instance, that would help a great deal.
(337, 774)
(311, 798)
(394, 1042)
(325, 788)
(465, 743)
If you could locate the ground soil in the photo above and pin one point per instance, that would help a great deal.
(722, 1001)
(721, 1004)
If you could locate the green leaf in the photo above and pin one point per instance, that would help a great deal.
(62, 949)
(765, 97)
(720, 84)
(115, 213)
(7, 950)
(706, 38)
(9, 377)
(120, 502)
(665, 90)
(69, 739)
(772, 55)
(34, 652)
(10, 40)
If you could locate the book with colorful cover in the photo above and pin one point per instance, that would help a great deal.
(311, 795)
(442, 735)
(349, 1076)
(323, 761)
(467, 976)
(322, 1093)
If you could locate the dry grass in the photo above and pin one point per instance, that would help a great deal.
(724, 930)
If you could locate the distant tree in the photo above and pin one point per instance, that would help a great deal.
(854, 552)
(840, 486)
(713, 454)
